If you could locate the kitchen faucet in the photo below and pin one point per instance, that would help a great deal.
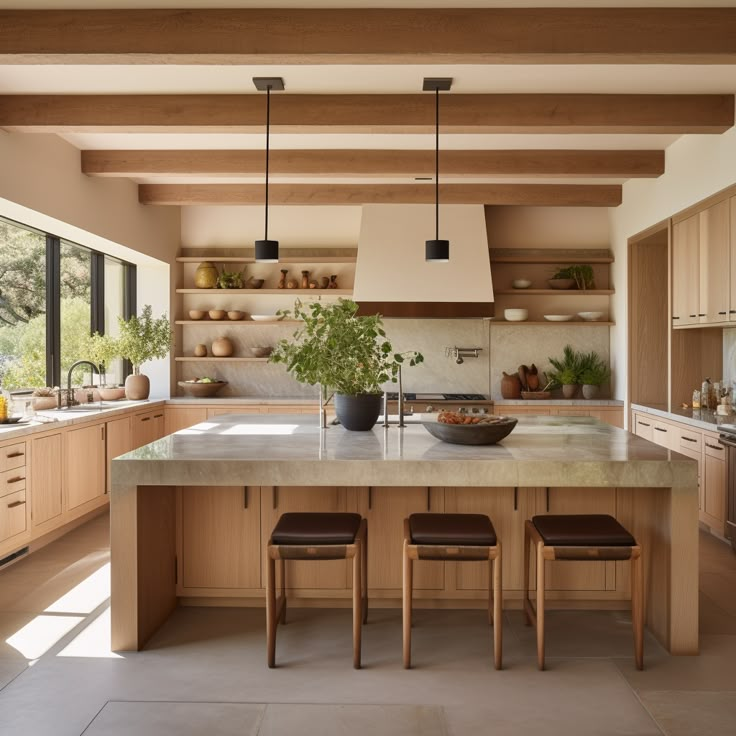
(69, 400)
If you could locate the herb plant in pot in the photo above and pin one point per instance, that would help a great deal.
(567, 371)
(142, 339)
(595, 372)
(102, 350)
(350, 355)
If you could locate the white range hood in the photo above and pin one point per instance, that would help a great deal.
(392, 277)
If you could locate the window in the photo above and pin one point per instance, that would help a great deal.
(53, 294)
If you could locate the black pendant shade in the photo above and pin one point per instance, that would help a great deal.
(267, 251)
(437, 250)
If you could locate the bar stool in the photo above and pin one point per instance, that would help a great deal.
(590, 537)
(459, 538)
(317, 536)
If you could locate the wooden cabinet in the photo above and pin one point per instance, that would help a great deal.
(686, 271)
(182, 417)
(119, 436)
(663, 433)
(212, 412)
(305, 575)
(47, 500)
(14, 511)
(86, 465)
(385, 509)
(732, 265)
(714, 483)
(644, 426)
(714, 263)
(220, 538)
(148, 427)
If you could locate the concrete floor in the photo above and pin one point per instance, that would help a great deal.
(207, 673)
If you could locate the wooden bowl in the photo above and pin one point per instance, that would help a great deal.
(263, 352)
(201, 390)
(197, 314)
(217, 314)
(235, 315)
(471, 434)
(561, 283)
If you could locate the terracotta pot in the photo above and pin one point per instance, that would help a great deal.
(569, 390)
(511, 386)
(590, 391)
(222, 347)
(200, 351)
(137, 387)
(205, 277)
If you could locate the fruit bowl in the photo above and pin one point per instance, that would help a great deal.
(471, 434)
(201, 390)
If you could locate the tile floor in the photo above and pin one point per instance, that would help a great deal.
(205, 672)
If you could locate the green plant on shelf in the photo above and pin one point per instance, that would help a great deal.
(230, 280)
(580, 273)
(568, 369)
(595, 370)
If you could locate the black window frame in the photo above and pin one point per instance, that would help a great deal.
(97, 298)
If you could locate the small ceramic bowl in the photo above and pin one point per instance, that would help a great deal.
(197, 314)
(235, 315)
(558, 317)
(262, 352)
(217, 314)
(590, 316)
(254, 283)
(521, 283)
(515, 315)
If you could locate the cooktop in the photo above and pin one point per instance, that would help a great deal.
(393, 396)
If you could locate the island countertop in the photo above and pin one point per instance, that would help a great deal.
(292, 450)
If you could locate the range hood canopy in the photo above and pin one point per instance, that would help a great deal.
(393, 278)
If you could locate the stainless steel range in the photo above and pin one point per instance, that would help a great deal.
(728, 440)
(434, 402)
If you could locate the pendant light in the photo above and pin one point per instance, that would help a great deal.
(437, 250)
(267, 251)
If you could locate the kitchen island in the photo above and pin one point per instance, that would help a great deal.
(191, 513)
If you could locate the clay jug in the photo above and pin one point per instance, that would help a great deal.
(282, 280)
(137, 387)
(205, 277)
(222, 347)
(305, 279)
(200, 351)
(510, 386)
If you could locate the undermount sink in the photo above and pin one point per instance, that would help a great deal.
(92, 406)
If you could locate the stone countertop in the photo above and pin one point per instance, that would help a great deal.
(558, 402)
(51, 420)
(246, 400)
(700, 418)
(291, 450)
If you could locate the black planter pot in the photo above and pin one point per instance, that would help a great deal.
(358, 413)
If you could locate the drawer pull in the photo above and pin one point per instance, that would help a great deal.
(16, 503)
(15, 454)
(714, 447)
(722, 312)
(146, 419)
(644, 424)
(17, 479)
(702, 315)
(687, 439)
(675, 318)
(660, 429)
(693, 315)
(245, 497)
(157, 416)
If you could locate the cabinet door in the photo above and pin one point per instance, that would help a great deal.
(85, 465)
(714, 494)
(732, 300)
(715, 263)
(305, 574)
(119, 436)
(663, 434)
(385, 509)
(220, 537)
(685, 271)
(643, 426)
(613, 416)
(46, 479)
(233, 410)
(148, 427)
(181, 417)
(572, 575)
(508, 510)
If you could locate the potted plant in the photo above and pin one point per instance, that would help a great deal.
(102, 350)
(142, 339)
(595, 372)
(567, 371)
(580, 276)
(348, 354)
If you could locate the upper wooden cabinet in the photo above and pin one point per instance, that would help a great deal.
(732, 266)
(685, 271)
(714, 263)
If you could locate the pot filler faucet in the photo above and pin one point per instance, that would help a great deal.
(69, 399)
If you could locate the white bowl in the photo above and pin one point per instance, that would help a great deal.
(265, 317)
(521, 283)
(515, 315)
(590, 316)
(558, 317)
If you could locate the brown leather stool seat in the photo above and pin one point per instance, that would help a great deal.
(452, 529)
(582, 530)
(316, 528)
(316, 536)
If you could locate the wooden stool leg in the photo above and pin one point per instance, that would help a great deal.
(357, 604)
(491, 582)
(407, 593)
(271, 611)
(364, 556)
(637, 610)
(540, 605)
(498, 611)
(527, 545)
(282, 575)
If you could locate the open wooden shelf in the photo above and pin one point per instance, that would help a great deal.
(558, 256)
(213, 359)
(270, 292)
(287, 259)
(547, 323)
(554, 292)
(237, 322)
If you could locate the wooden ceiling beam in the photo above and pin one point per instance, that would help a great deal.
(375, 163)
(552, 195)
(370, 36)
(292, 113)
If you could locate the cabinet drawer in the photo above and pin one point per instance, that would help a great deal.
(13, 456)
(689, 440)
(661, 433)
(12, 515)
(714, 448)
(12, 481)
(643, 426)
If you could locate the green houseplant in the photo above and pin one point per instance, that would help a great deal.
(142, 339)
(581, 274)
(102, 350)
(567, 371)
(594, 373)
(351, 355)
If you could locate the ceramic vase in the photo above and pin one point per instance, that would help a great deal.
(137, 387)
(590, 391)
(205, 277)
(569, 390)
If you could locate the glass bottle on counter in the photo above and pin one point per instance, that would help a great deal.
(696, 399)
(705, 391)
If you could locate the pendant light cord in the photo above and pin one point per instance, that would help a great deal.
(437, 163)
(268, 131)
